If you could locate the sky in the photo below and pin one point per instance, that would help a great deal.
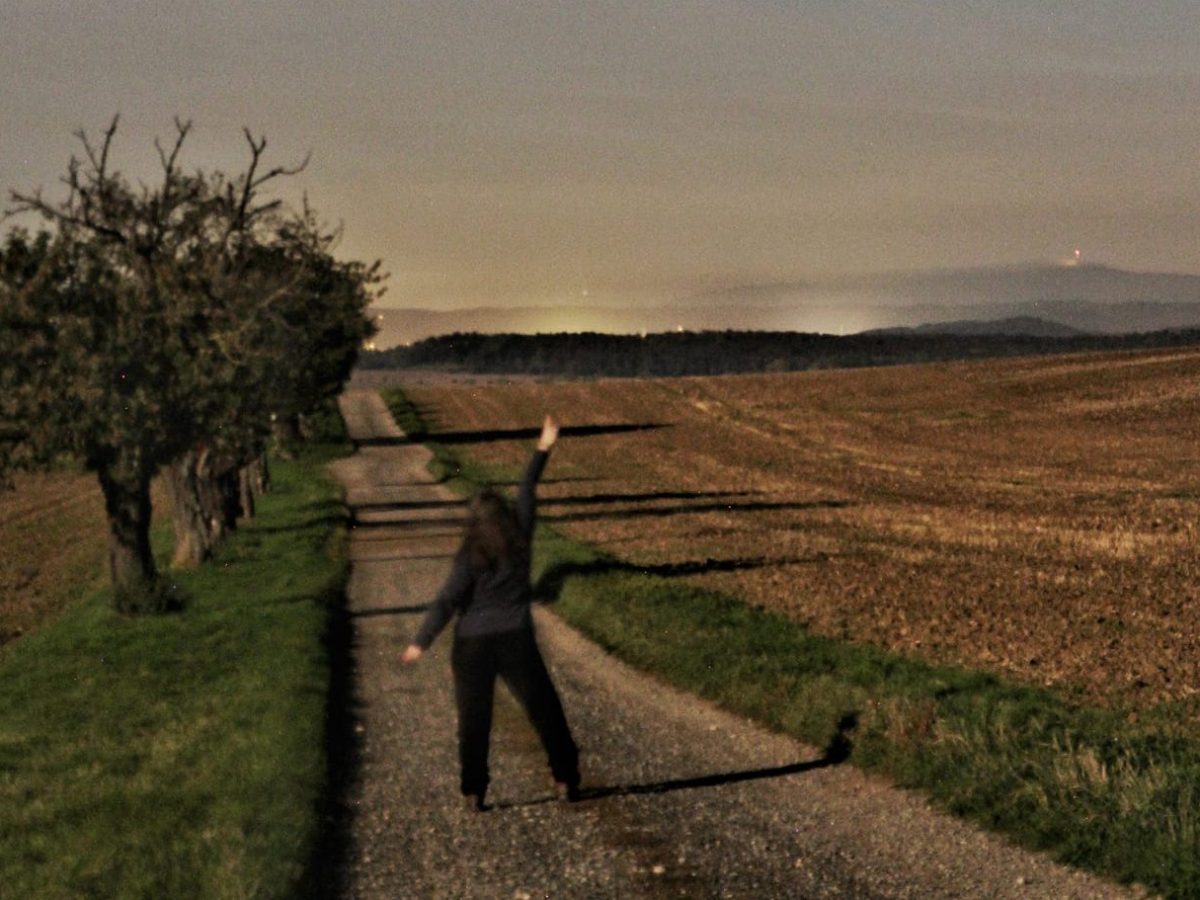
(631, 152)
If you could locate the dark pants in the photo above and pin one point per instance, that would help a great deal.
(515, 657)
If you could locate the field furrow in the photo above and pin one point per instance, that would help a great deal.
(1036, 517)
(52, 546)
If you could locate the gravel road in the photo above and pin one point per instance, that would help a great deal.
(681, 798)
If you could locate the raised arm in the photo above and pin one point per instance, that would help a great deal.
(549, 434)
(527, 492)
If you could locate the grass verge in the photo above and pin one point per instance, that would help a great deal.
(1101, 789)
(182, 755)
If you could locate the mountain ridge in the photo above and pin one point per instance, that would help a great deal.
(1027, 326)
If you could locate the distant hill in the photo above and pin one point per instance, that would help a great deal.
(1091, 298)
(1044, 284)
(1030, 326)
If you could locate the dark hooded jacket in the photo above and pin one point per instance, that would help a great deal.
(491, 600)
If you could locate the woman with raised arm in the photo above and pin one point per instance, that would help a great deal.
(489, 590)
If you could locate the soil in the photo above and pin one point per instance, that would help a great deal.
(52, 545)
(1034, 517)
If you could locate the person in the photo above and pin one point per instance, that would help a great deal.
(489, 590)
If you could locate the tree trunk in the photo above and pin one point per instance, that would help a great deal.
(229, 499)
(246, 490)
(193, 533)
(288, 435)
(212, 501)
(134, 578)
(261, 475)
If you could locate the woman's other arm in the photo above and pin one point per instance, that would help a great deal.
(441, 610)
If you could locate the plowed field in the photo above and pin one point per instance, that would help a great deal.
(52, 539)
(1036, 517)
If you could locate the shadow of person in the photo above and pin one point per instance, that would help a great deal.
(836, 752)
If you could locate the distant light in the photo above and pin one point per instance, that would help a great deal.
(1075, 259)
(679, 328)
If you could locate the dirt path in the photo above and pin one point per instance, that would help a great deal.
(683, 800)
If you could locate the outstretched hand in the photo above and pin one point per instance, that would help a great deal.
(549, 434)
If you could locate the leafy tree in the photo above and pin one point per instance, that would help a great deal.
(717, 352)
(300, 322)
(318, 334)
(22, 258)
(128, 342)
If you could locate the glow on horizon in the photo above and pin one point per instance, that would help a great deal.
(498, 155)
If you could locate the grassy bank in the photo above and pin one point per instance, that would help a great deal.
(181, 755)
(1104, 789)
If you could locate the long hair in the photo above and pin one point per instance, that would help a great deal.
(493, 536)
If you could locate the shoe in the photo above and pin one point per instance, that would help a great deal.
(474, 803)
(566, 792)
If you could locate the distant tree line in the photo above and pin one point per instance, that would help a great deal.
(727, 352)
(176, 327)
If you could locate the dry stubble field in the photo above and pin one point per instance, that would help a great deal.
(1037, 517)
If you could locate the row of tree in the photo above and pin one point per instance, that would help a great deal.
(173, 326)
(726, 352)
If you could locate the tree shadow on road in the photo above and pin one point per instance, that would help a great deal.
(549, 585)
(489, 436)
(587, 500)
(327, 872)
(650, 497)
(414, 610)
(721, 503)
(660, 512)
(567, 479)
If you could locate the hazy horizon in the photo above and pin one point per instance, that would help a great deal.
(783, 291)
(624, 153)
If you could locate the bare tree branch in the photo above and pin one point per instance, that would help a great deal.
(99, 158)
(283, 170)
(36, 204)
(82, 137)
(258, 211)
(108, 137)
(256, 152)
(168, 160)
(166, 201)
(242, 212)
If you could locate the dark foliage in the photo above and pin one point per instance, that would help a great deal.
(167, 326)
(726, 352)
